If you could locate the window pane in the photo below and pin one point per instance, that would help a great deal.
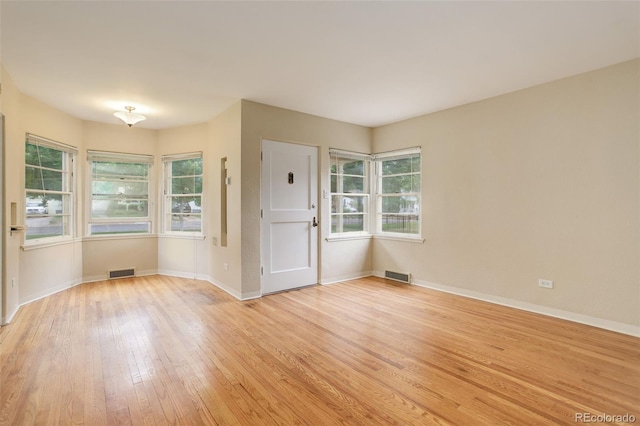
(36, 204)
(189, 204)
(405, 224)
(186, 185)
(36, 178)
(119, 228)
(400, 184)
(58, 203)
(334, 183)
(133, 171)
(352, 223)
(353, 168)
(120, 187)
(400, 204)
(352, 184)
(186, 167)
(47, 226)
(109, 207)
(347, 223)
(401, 165)
(43, 156)
(185, 222)
(351, 204)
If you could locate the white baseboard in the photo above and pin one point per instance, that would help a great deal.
(48, 292)
(544, 310)
(340, 278)
(179, 274)
(188, 275)
(94, 278)
(105, 277)
(6, 320)
(530, 307)
(234, 292)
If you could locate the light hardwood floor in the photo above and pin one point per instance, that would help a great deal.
(162, 350)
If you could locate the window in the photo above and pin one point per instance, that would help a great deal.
(349, 192)
(398, 176)
(183, 193)
(49, 189)
(119, 193)
(396, 184)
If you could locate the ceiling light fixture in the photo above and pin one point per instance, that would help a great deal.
(129, 117)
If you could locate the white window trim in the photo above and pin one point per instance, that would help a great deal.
(379, 233)
(120, 157)
(163, 225)
(357, 235)
(374, 222)
(72, 152)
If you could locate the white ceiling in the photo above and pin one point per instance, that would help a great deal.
(368, 63)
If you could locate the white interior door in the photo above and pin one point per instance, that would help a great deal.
(289, 229)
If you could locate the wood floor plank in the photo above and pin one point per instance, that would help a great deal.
(162, 350)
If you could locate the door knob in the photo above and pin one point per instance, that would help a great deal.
(314, 222)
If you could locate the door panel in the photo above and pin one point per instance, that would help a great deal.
(290, 243)
(289, 207)
(290, 196)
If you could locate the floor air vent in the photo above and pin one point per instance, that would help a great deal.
(398, 276)
(122, 273)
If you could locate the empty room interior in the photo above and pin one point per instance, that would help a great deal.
(319, 212)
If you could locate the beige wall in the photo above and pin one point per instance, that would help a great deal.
(266, 122)
(540, 183)
(225, 131)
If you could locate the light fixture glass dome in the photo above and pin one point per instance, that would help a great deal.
(129, 117)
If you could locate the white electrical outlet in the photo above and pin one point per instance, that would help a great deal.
(215, 240)
(13, 282)
(545, 283)
(226, 266)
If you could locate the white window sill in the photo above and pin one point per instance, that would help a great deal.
(118, 237)
(406, 238)
(43, 243)
(347, 237)
(182, 236)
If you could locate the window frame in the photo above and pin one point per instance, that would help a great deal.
(68, 188)
(336, 155)
(375, 184)
(124, 158)
(380, 195)
(167, 194)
